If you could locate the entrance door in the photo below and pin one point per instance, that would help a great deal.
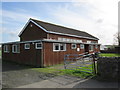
(86, 48)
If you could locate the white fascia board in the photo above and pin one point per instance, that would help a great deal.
(48, 40)
(35, 24)
(39, 26)
(72, 35)
(24, 27)
(21, 42)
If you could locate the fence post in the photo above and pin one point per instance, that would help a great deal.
(94, 66)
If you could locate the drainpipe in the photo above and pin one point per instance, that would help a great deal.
(41, 57)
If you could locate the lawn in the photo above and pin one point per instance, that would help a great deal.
(109, 55)
(76, 72)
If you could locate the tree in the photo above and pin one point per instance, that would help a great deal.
(117, 38)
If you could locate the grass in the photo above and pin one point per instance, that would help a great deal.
(0, 52)
(76, 72)
(109, 55)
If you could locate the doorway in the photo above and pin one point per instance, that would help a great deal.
(86, 48)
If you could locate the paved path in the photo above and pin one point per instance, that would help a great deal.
(70, 82)
(56, 82)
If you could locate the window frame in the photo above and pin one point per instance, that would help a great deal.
(26, 45)
(91, 48)
(54, 46)
(64, 47)
(17, 49)
(83, 47)
(59, 46)
(73, 47)
(96, 46)
(36, 47)
(6, 48)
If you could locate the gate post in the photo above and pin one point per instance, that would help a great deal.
(94, 66)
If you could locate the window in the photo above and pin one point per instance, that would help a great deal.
(59, 47)
(16, 48)
(96, 46)
(82, 46)
(38, 45)
(6, 48)
(27, 46)
(56, 47)
(88, 42)
(91, 47)
(62, 47)
(73, 46)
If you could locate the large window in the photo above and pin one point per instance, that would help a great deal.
(27, 46)
(59, 47)
(16, 48)
(82, 46)
(38, 45)
(73, 46)
(6, 48)
(91, 47)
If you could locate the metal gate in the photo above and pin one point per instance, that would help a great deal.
(83, 62)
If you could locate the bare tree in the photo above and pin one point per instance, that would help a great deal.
(117, 38)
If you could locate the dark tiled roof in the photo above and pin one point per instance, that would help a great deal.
(62, 29)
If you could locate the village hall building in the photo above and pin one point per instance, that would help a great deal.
(43, 44)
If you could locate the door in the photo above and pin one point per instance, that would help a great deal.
(38, 54)
(86, 48)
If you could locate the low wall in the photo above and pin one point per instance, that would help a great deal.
(117, 49)
(108, 51)
(108, 68)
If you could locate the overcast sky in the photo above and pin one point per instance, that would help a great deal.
(97, 17)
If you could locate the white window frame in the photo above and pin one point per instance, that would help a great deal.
(54, 46)
(37, 46)
(6, 48)
(82, 46)
(59, 45)
(64, 46)
(26, 45)
(91, 48)
(17, 50)
(73, 47)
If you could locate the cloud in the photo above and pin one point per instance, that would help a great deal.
(99, 18)
(12, 23)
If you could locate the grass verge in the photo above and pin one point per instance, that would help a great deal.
(109, 55)
(83, 73)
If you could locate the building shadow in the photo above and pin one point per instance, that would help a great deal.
(11, 66)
